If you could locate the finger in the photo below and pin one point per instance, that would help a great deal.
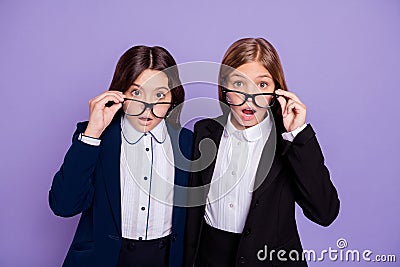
(106, 101)
(115, 91)
(115, 108)
(282, 101)
(295, 107)
(289, 95)
(101, 103)
(289, 106)
(107, 95)
(117, 94)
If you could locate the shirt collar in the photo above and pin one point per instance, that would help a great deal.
(133, 136)
(251, 134)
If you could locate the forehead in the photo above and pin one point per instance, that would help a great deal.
(252, 71)
(151, 79)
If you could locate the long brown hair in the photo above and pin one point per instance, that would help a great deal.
(139, 58)
(248, 50)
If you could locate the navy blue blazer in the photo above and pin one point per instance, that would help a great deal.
(88, 182)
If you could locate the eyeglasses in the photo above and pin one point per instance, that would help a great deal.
(133, 107)
(237, 98)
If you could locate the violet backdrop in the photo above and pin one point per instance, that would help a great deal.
(341, 58)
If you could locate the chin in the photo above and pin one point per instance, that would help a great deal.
(248, 124)
(146, 126)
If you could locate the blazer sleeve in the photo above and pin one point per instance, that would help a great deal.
(317, 196)
(72, 188)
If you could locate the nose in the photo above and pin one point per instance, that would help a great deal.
(249, 98)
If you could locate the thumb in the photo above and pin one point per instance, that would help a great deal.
(282, 102)
(114, 108)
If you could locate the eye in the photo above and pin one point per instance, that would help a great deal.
(136, 92)
(263, 84)
(160, 95)
(238, 84)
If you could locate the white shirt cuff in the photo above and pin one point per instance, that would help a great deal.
(89, 140)
(289, 136)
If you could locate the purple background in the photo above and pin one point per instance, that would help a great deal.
(340, 57)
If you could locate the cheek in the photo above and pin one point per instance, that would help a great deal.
(168, 97)
(156, 121)
(261, 113)
(236, 109)
(133, 120)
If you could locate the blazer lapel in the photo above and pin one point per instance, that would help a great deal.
(214, 132)
(270, 164)
(182, 166)
(180, 162)
(110, 162)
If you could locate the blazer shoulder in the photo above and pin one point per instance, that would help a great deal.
(200, 124)
(212, 123)
(185, 132)
(186, 141)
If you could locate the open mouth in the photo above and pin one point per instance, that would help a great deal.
(248, 111)
(146, 119)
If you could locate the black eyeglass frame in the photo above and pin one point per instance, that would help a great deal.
(150, 106)
(252, 96)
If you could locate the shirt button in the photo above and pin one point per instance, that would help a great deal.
(162, 244)
(230, 205)
(233, 173)
(147, 149)
(242, 260)
(238, 143)
(247, 231)
(140, 238)
(143, 208)
(131, 245)
(173, 237)
(145, 177)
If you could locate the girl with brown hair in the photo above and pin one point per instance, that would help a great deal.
(121, 170)
(267, 160)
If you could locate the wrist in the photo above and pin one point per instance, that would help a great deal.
(89, 140)
(92, 133)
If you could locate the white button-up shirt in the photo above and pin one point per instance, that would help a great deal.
(232, 183)
(230, 194)
(146, 159)
(231, 188)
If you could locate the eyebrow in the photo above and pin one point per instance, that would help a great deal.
(259, 76)
(137, 85)
(160, 87)
(264, 76)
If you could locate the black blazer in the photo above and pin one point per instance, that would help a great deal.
(297, 175)
(88, 182)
